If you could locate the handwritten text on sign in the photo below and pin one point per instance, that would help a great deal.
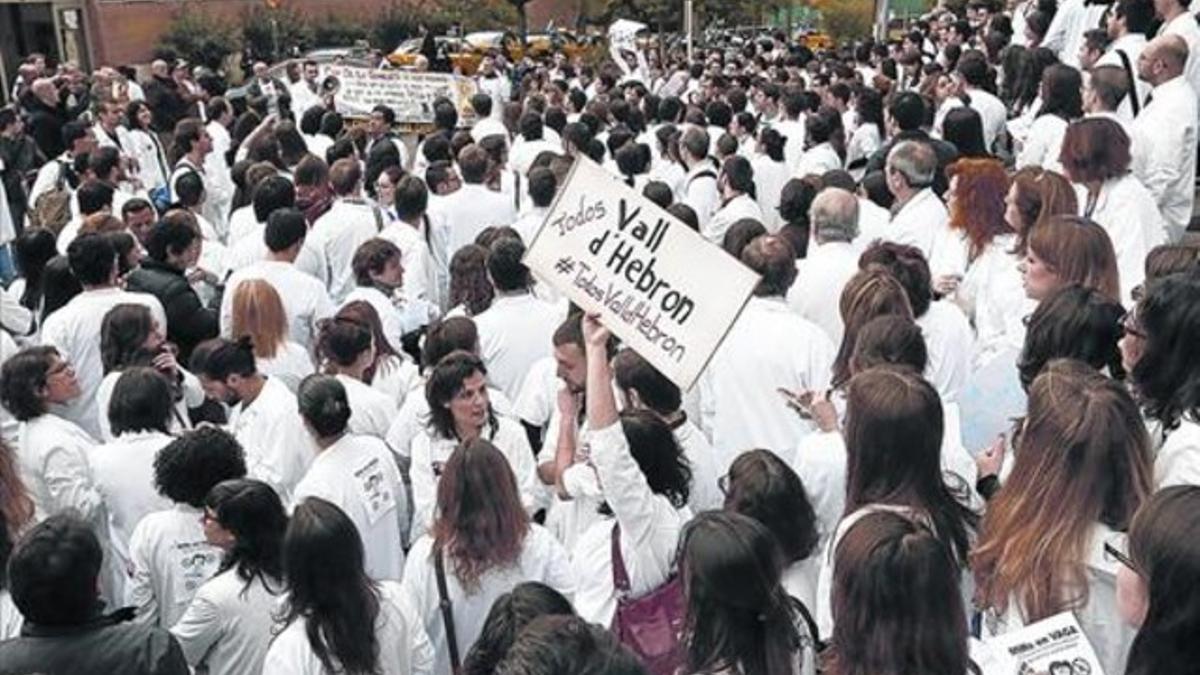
(408, 93)
(658, 285)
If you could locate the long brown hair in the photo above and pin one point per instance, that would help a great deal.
(894, 426)
(897, 609)
(978, 205)
(480, 522)
(1040, 195)
(871, 293)
(258, 312)
(1079, 251)
(16, 506)
(1083, 458)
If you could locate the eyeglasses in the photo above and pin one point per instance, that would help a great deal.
(723, 484)
(208, 517)
(1114, 553)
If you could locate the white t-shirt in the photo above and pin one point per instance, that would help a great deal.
(359, 475)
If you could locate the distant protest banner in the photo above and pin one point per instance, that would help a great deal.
(409, 93)
(1053, 646)
(658, 285)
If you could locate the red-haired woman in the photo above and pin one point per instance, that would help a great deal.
(1095, 156)
(990, 291)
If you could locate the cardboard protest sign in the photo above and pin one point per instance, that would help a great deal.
(1053, 646)
(409, 93)
(658, 285)
(622, 34)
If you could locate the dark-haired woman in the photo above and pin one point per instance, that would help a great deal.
(1062, 102)
(1157, 591)
(484, 543)
(392, 371)
(1096, 157)
(140, 414)
(129, 337)
(227, 627)
(771, 173)
(761, 485)
(355, 472)
(336, 619)
(641, 474)
(893, 431)
(895, 601)
(868, 135)
(144, 146)
(509, 615)
(739, 617)
(52, 451)
(1159, 352)
(346, 349)
(460, 411)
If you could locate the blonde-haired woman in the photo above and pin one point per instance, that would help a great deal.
(258, 312)
(1083, 467)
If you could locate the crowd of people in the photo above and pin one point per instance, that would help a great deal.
(280, 395)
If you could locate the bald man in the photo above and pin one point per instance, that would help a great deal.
(1169, 122)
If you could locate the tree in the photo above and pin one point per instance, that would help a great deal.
(847, 20)
(522, 18)
(199, 38)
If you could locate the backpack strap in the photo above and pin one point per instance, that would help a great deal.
(1133, 94)
(447, 611)
(707, 173)
(620, 574)
(813, 631)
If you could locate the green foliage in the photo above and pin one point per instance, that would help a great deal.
(198, 38)
(337, 31)
(847, 20)
(262, 27)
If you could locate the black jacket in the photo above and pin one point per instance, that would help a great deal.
(189, 322)
(105, 645)
(166, 101)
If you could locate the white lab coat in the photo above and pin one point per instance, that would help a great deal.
(1065, 32)
(817, 160)
(171, 560)
(1169, 121)
(1127, 212)
(1132, 45)
(924, 223)
(75, 331)
(395, 377)
(874, 223)
(227, 627)
(1185, 27)
(769, 178)
(1178, 459)
(334, 238)
(1043, 143)
(992, 112)
(271, 432)
(244, 223)
(820, 277)
(415, 258)
(305, 300)
(193, 396)
(650, 530)
(794, 134)
(514, 332)
(993, 296)
(1139, 145)
(11, 619)
(219, 180)
(290, 365)
(471, 210)
(705, 493)
(414, 415)
(733, 210)
(951, 344)
(359, 475)
(542, 559)
(768, 347)
(430, 454)
(123, 471)
(52, 457)
(372, 411)
(153, 169)
(1098, 617)
(404, 647)
(700, 192)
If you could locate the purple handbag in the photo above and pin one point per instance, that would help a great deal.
(651, 626)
